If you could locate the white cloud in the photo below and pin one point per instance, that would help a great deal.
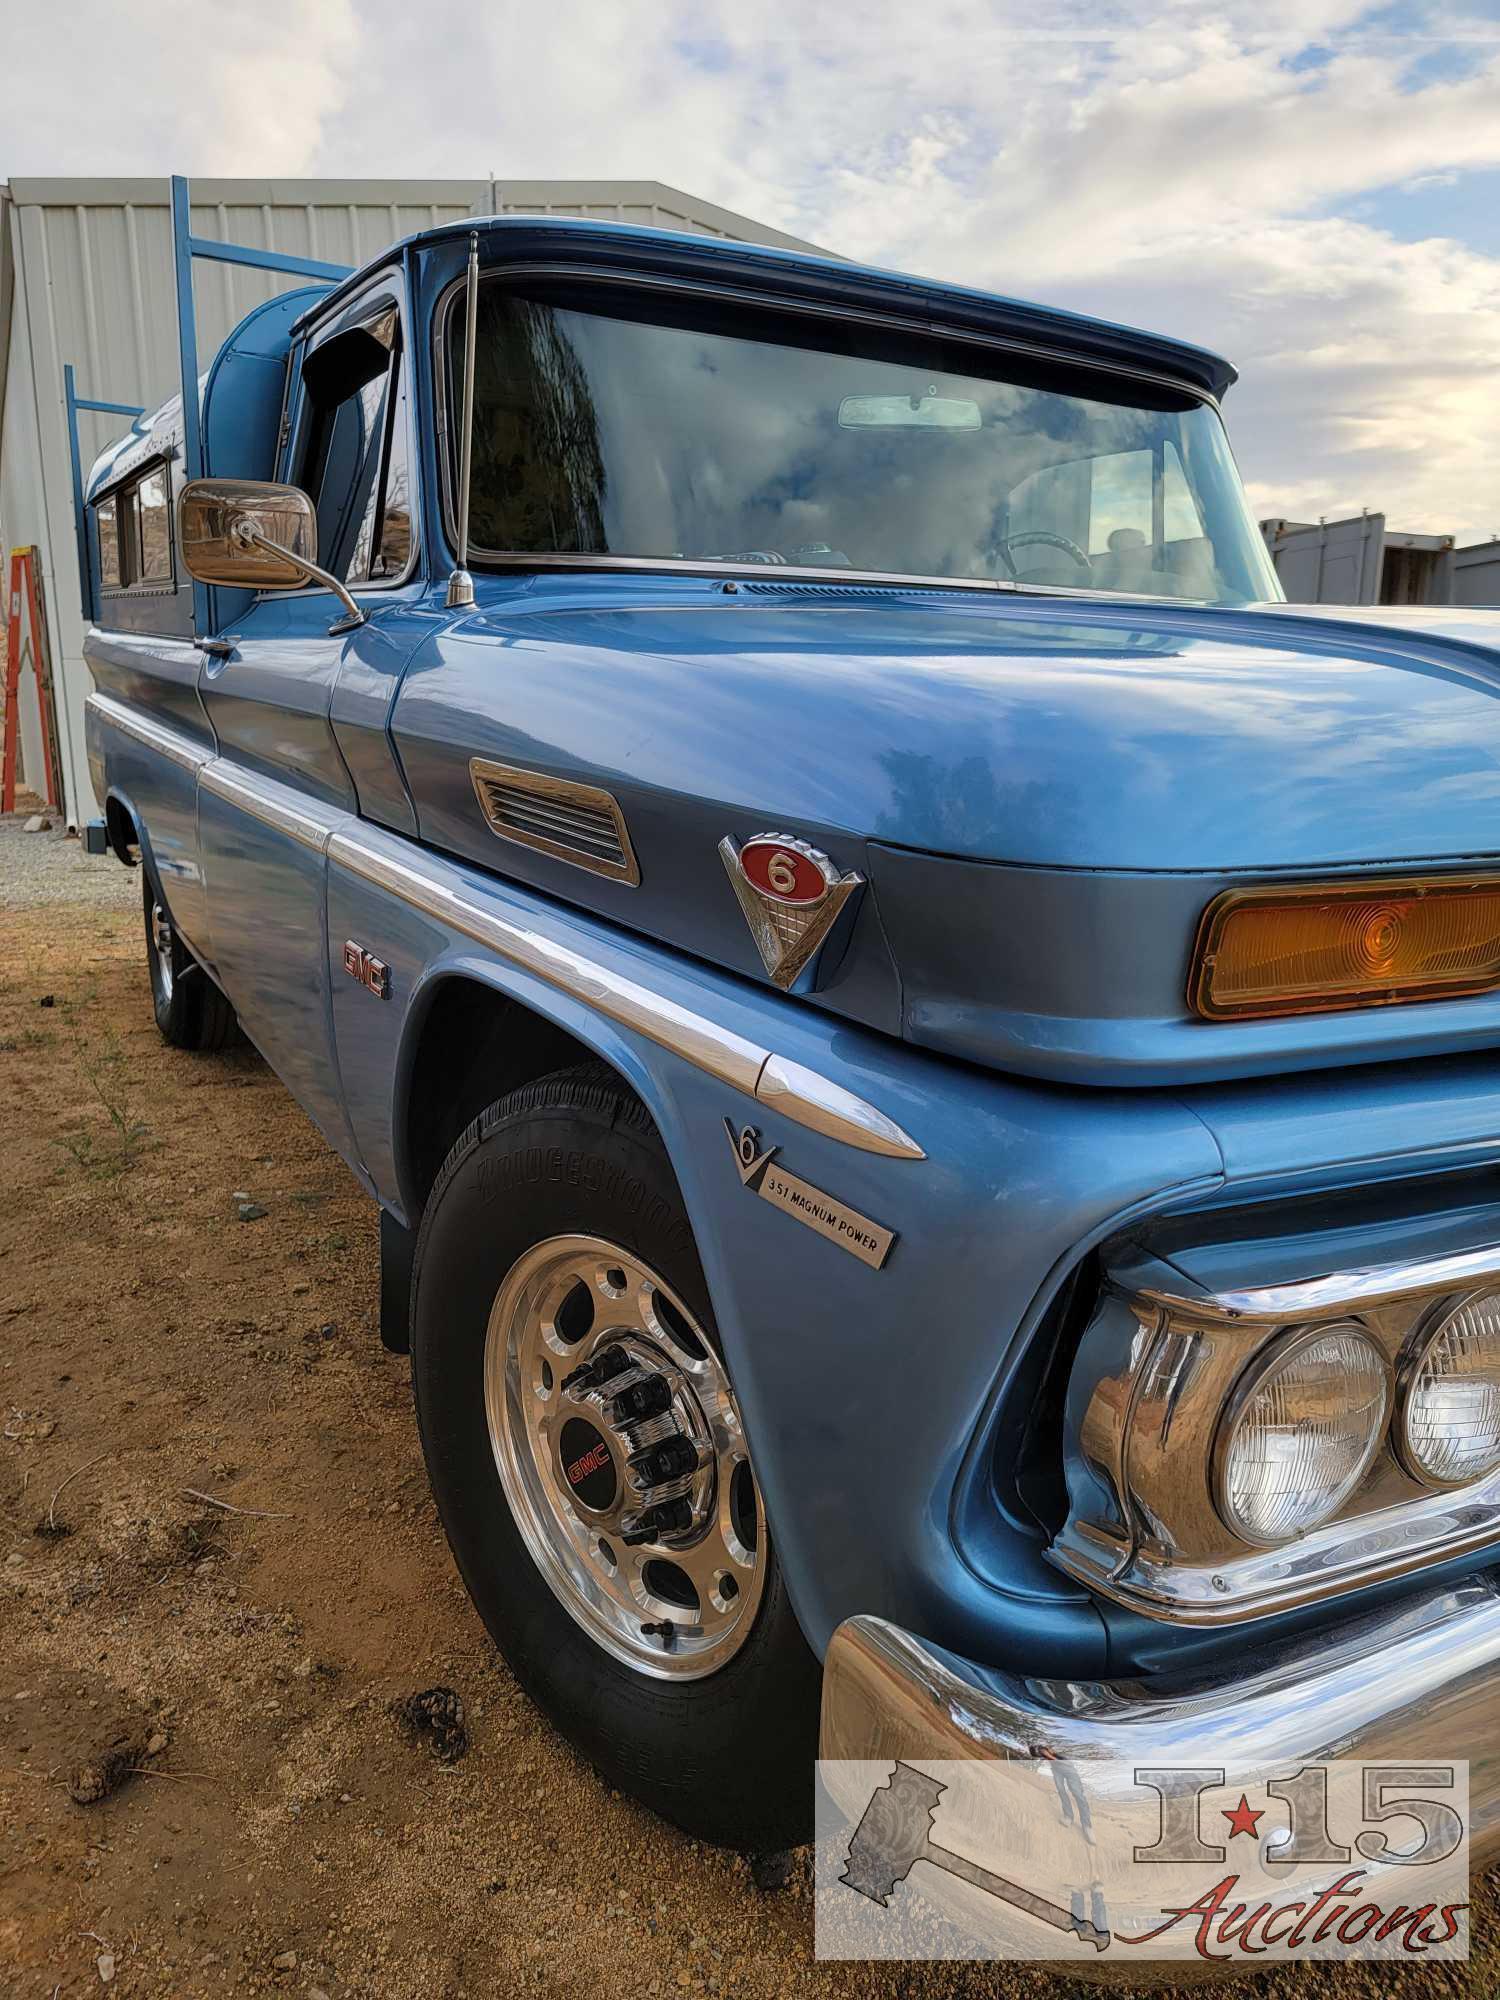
(93, 87)
(1184, 168)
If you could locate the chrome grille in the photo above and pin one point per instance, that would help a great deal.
(571, 822)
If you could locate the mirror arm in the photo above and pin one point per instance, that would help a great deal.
(242, 532)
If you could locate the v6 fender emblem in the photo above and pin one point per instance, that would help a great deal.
(749, 1155)
(826, 1214)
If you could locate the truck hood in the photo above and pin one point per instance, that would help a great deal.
(1059, 735)
(1044, 792)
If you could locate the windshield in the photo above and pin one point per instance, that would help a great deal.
(709, 434)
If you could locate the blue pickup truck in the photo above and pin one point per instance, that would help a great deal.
(924, 1045)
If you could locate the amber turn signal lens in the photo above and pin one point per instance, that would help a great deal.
(1325, 945)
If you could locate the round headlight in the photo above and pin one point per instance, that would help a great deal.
(1299, 1431)
(1448, 1423)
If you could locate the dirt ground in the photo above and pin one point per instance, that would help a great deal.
(240, 1569)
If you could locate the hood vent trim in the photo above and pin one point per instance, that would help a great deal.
(579, 824)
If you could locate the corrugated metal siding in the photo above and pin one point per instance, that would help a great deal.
(1361, 561)
(92, 283)
(1476, 574)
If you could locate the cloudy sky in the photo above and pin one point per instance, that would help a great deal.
(1310, 186)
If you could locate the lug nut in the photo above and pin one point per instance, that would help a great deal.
(671, 1459)
(642, 1399)
(668, 1517)
(594, 1374)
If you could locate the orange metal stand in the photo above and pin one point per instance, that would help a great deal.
(23, 572)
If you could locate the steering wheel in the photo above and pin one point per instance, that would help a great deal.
(1028, 536)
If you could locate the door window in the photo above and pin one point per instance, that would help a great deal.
(1182, 521)
(382, 549)
(1089, 500)
(1120, 502)
(1132, 513)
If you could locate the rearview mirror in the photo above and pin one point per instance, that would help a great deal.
(922, 413)
(216, 519)
(251, 534)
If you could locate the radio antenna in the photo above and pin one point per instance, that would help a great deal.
(460, 583)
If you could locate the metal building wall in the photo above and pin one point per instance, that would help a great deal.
(1476, 574)
(1328, 562)
(86, 276)
(1362, 561)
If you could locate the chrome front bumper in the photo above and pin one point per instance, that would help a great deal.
(1421, 1683)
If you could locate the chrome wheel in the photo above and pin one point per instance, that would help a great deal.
(622, 1455)
(161, 944)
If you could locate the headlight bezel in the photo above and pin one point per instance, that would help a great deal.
(1155, 1368)
(1279, 1352)
(1414, 1353)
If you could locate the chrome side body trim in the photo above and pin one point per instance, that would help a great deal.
(1418, 1683)
(723, 1054)
(1152, 1379)
(798, 1093)
(558, 817)
(275, 805)
(824, 1106)
(155, 735)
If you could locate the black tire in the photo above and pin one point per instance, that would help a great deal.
(729, 1757)
(190, 1010)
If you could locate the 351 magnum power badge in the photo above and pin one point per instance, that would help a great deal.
(834, 1219)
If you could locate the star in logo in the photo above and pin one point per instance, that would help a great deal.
(1242, 1820)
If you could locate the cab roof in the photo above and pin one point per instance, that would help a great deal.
(828, 280)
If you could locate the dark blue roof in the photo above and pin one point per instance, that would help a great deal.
(832, 282)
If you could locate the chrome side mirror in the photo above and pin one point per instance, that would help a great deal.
(251, 534)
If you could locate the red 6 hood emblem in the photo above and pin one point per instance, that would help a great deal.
(791, 895)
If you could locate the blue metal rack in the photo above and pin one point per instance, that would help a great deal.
(185, 247)
(75, 402)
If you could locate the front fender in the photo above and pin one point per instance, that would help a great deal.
(462, 962)
(860, 1387)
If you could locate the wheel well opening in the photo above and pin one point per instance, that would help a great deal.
(476, 1045)
(120, 827)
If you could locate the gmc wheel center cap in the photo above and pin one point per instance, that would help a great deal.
(587, 1465)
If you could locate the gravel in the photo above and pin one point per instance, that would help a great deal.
(37, 868)
(295, 1844)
